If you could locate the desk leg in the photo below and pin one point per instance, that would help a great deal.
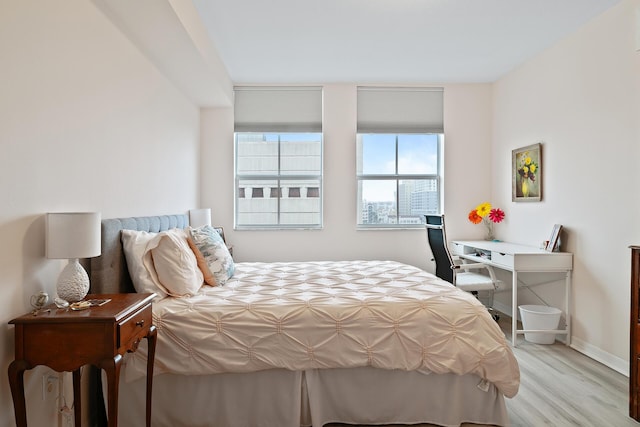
(112, 371)
(16, 381)
(514, 308)
(77, 404)
(151, 341)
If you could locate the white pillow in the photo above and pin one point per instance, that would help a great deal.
(175, 263)
(136, 251)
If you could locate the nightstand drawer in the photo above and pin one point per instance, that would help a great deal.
(134, 327)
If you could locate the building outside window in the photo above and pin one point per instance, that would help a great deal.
(280, 171)
(398, 178)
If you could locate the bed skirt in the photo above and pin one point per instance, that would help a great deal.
(282, 398)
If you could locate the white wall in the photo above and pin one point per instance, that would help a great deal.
(86, 123)
(581, 99)
(467, 182)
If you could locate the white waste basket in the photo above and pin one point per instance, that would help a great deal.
(539, 317)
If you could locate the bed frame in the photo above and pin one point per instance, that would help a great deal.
(292, 398)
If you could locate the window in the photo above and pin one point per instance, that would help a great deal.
(313, 192)
(398, 180)
(399, 140)
(294, 191)
(278, 157)
(282, 166)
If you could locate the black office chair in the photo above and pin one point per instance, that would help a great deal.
(458, 271)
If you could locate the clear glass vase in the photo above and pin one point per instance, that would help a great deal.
(488, 225)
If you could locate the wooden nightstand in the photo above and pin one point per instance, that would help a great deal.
(66, 340)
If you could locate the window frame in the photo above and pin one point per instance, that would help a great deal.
(278, 178)
(397, 177)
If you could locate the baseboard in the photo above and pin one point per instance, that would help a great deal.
(595, 353)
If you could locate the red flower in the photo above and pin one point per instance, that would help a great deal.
(496, 215)
(475, 218)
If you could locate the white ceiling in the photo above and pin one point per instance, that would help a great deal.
(386, 41)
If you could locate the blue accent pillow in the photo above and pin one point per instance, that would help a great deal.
(214, 259)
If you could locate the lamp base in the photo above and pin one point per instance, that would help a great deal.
(73, 283)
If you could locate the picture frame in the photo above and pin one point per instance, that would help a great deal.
(526, 173)
(554, 239)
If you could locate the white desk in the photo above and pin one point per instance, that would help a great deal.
(520, 259)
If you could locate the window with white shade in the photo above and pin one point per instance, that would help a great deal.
(398, 154)
(278, 153)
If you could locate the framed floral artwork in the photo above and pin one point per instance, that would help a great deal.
(526, 181)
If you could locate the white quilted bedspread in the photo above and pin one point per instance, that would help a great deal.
(308, 315)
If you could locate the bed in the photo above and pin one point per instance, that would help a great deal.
(311, 343)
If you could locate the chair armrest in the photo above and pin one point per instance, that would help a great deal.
(478, 265)
(473, 265)
(464, 263)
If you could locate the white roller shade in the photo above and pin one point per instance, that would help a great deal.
(400, 110)
(278, 109)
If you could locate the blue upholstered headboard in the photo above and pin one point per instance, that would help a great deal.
(109, 273)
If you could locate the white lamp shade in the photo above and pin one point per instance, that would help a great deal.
(72, 235)
(199, 217)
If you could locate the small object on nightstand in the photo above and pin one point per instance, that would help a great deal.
(97, 302)
(60, 303)
(80, 305)
(38, 301)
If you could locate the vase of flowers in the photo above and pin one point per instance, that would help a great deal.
(485, 214)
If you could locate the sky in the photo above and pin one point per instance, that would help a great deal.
(417, 154)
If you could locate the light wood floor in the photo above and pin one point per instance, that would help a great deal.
(562, 387)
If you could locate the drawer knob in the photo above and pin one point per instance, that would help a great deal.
(140, 322)
(134, 346)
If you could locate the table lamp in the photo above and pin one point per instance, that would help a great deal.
(72, 235)
(199, 217)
